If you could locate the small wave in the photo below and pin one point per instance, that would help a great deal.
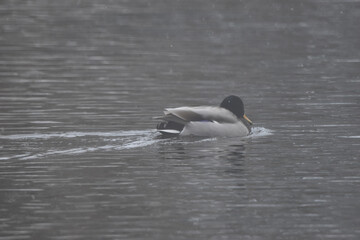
(124, 140)
(349, 136)
(128, 140)
(136, 143)
(45, 122)
(260, 132)
(76, 134)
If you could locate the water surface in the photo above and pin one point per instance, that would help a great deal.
(80, 83)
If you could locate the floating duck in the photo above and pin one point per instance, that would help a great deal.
(227, 120)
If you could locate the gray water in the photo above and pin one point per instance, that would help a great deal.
(80, 83)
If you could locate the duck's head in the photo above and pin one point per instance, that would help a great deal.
(235, 105)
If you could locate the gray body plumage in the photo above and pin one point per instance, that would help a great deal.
(205, 121)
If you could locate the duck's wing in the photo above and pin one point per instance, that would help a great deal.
(172, 118)
(184, 115)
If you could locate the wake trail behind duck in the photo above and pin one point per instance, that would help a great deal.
(54, 144)
(75, 134)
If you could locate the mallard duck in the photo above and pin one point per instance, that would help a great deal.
(227, 120)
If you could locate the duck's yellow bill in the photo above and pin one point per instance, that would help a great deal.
(247, 119)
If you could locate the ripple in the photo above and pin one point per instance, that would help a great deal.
(128, 140)
(76, 134)
(134, 143)
(349, 136)
(260, 132)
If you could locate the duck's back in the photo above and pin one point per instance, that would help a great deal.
(202, 113)
(228, 120)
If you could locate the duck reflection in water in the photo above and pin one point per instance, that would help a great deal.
(235, 154)
(210, 153)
